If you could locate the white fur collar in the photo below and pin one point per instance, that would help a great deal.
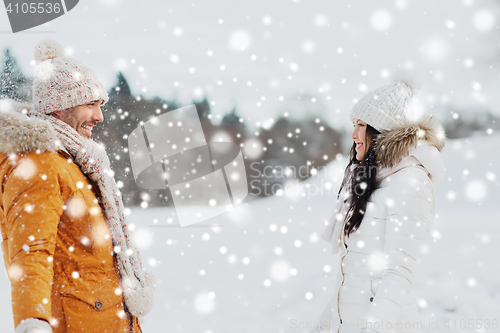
(20, 133)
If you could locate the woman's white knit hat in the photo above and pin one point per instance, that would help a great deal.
(383, 107)
(60, 82)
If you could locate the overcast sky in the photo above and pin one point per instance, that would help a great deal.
(254, 53)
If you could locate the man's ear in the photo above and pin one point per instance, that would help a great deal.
(56, 114)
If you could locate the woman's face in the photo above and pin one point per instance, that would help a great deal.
(359, 136)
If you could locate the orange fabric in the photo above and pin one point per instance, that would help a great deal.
(57, 246)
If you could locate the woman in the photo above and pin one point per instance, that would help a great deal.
(385, 211)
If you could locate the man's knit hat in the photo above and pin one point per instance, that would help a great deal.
(382, 108)
(61, 83)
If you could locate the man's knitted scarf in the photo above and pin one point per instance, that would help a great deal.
(138, 285)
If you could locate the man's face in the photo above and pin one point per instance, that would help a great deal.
(82, 117)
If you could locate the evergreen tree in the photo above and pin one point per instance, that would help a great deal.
(122, 88)
(13, 83)
(232, 119)
(232, 123)
(203, 109)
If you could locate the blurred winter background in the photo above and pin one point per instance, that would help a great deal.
(279, 78)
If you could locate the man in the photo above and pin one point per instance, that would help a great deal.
(66, 246)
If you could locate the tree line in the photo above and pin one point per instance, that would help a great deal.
(287, 145)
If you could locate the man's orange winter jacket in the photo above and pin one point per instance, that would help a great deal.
(56, 245)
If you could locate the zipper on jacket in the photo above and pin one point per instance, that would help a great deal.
(342, 271)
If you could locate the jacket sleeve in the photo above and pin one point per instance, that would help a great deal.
(33, 207)
(409, 211)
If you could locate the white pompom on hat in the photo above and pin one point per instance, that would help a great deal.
(61, 83)
(48, 49)
(383, 107)
(409, 77)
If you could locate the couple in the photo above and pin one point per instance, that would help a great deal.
(68, 252)
(384, 212)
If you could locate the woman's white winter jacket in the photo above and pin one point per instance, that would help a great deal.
(378, 263)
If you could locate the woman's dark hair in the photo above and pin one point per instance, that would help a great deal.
(362, 181)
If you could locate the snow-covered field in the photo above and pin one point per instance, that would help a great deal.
(263, 268)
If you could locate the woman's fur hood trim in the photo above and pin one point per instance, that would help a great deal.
(20, 133)
(394, 144)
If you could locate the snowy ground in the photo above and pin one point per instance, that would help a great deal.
(265, 266)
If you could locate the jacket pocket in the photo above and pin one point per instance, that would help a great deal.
(96, 311)
(98, 300)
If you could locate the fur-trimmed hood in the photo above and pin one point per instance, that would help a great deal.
(20, 133)
(423, 138)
